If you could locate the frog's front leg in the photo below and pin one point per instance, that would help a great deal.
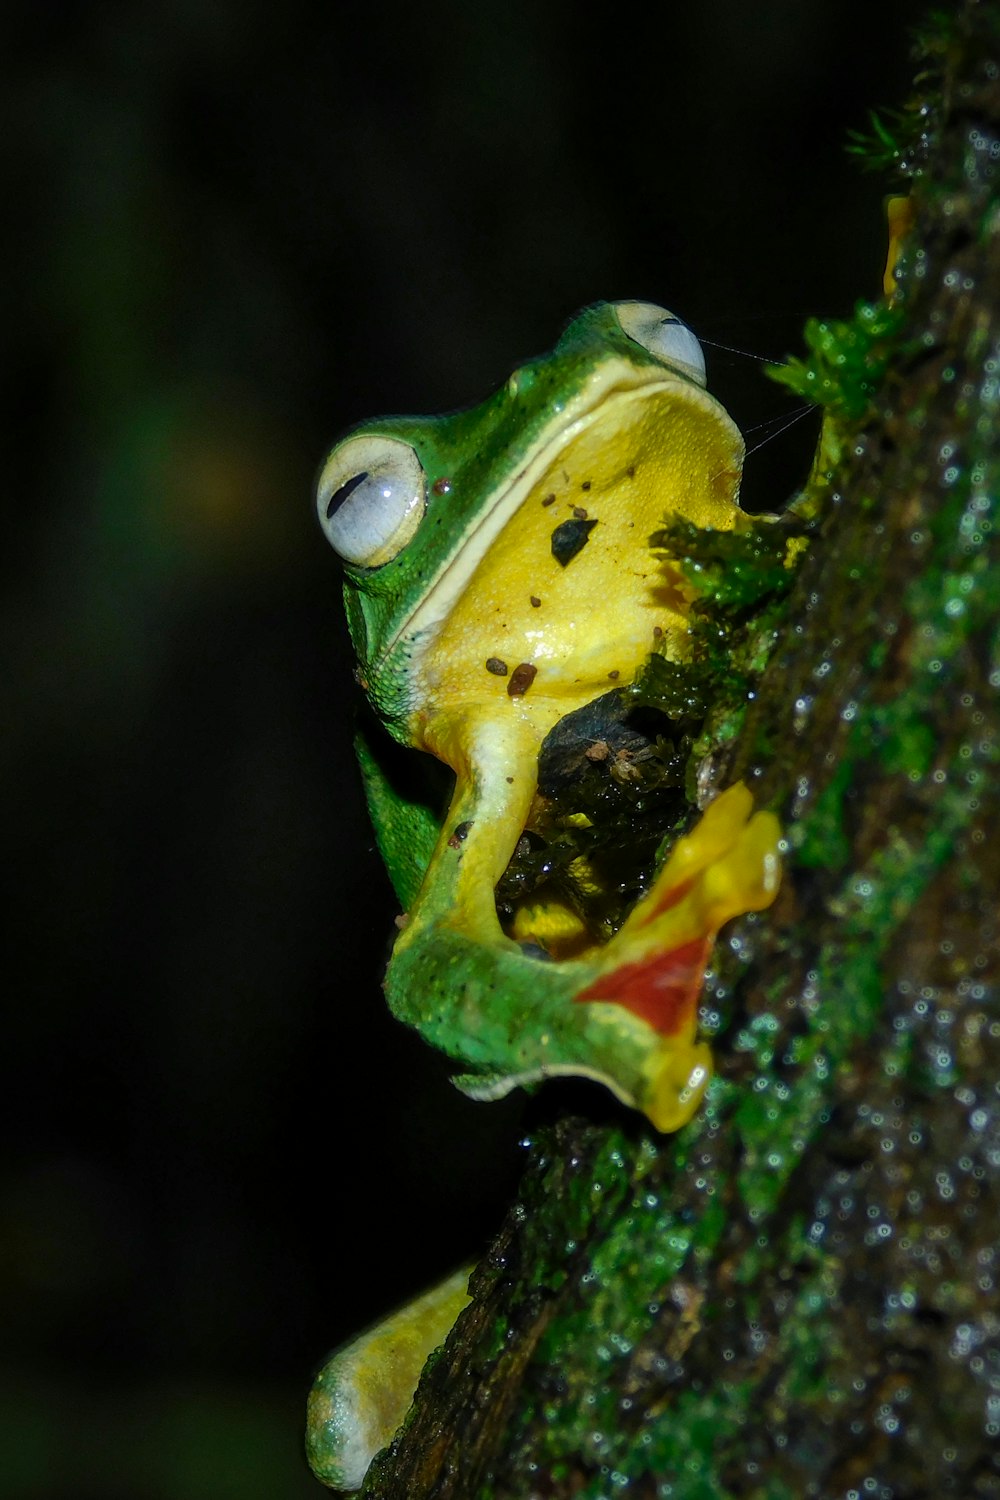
(624, 1014)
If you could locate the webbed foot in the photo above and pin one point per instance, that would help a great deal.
(626, 1014)
(654, 967)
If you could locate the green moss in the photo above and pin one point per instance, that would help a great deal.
(731, 570)
(743, 578)
(822, 842)
(900, 141)
(897, 142)
(847, 361)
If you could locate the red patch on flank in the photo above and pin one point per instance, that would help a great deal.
(661, 990)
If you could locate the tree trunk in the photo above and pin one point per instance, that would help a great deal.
(797, 1295)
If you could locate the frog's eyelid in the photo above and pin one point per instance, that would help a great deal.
(370, 499)
(664, 335)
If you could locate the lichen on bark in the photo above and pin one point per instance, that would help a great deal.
(797, 1295)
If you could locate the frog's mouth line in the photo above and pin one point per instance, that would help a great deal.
(614, 381)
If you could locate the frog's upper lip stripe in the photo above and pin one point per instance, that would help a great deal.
(617, 378)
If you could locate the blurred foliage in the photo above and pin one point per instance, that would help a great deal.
(235, 229)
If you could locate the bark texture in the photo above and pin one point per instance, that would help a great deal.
(797, 1296)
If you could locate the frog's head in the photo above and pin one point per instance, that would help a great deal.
(497, 560)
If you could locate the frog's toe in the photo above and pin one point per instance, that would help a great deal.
(678, 1079)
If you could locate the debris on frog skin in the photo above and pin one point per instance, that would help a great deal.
(521, 679)
(569, 539)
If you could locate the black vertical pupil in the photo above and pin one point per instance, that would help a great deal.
(338, 497)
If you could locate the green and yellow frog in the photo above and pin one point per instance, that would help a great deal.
(498, 576)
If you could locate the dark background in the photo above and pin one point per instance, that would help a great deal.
(238, 228)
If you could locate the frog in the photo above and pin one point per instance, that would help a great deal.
(497, 578)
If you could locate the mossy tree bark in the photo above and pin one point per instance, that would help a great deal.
(797, 1295)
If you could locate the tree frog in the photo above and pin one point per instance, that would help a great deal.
(498, 577)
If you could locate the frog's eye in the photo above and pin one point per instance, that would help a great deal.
(664, 336)
(370, 498)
